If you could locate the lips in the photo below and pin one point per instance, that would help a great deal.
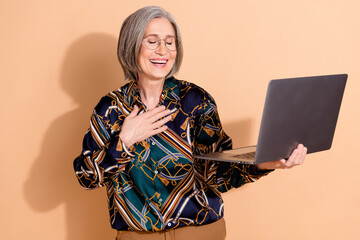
(159, 62)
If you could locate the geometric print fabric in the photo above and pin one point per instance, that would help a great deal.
(158, 184)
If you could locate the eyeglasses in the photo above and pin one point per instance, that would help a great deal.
(152, 42)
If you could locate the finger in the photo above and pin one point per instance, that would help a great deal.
(303, 155)
(298, 155)
(161, 122)
(159, 130)
(281, 164)
(135, 111)
(156, 110)
(291, 161)
(155, 117)
(149, 114)
(278, 164)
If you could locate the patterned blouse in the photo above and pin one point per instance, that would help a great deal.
(158, 184)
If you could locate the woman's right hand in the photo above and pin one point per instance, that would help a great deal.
(140, 127)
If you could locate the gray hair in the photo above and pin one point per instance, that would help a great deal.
(131, 37)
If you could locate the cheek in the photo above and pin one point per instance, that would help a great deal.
(173, 57)
(143, 60)
(143, 54)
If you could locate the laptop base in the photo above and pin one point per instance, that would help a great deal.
(244, 155)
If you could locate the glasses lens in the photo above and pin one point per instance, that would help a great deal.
(170, 43)
(152, 42)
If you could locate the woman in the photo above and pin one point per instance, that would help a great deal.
(143, 138)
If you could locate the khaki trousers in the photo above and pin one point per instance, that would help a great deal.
(213, 231)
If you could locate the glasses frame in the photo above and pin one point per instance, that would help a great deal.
(159, 40)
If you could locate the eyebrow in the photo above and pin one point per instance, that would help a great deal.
(156, 35)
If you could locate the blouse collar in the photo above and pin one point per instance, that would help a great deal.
(170, 93)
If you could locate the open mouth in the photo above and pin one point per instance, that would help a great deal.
(158, 62)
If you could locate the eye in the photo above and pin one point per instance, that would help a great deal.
(151, 42)
(170, 41)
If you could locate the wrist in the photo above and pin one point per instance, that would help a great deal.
(127, 142)
(262, 167)
(260, 170)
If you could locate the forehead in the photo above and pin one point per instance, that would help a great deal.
(161, 27)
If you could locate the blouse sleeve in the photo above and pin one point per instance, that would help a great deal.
(103, 154)
(210, 137)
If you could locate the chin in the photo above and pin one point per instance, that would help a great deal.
(159, 76)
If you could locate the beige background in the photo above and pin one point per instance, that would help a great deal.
(58, 58)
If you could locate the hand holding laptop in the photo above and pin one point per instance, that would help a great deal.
(297, 110)
(296, 158)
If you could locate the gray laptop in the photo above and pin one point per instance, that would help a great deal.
(297, 110)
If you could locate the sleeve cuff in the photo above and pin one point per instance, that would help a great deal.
(119, 151)
(255, 171)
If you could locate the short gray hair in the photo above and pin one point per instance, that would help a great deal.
(131, 37)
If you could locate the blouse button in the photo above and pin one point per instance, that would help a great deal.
(156, 172)
(169, 224)
(153, 143)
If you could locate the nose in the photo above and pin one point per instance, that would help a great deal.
(161, 50)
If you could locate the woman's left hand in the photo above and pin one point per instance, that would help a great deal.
(297, 158)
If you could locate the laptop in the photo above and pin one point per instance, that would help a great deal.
(297, 110)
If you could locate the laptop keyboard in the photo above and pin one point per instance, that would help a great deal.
(250, 156)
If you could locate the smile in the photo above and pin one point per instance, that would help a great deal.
(159, 62)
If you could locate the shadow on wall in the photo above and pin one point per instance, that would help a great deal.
(240, 132)
(90, 69)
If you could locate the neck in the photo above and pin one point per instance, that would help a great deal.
(150, 92)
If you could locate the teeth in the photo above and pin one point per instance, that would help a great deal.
(158, 61)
